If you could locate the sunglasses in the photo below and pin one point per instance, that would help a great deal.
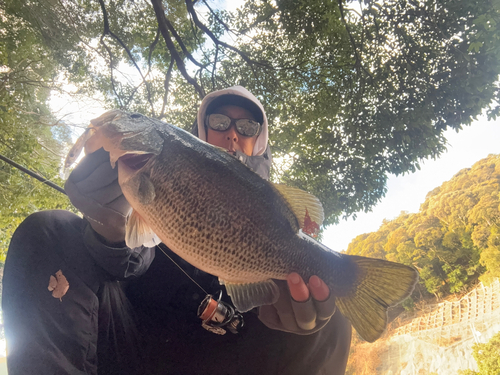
(244, 126)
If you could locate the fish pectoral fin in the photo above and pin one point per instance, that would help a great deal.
(138, 233)
(146, 191)
(246, 296)
(306, 208)
(382, 284)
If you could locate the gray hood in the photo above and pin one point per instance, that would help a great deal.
(242, 94)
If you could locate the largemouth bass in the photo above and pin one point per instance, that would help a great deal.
(224, 219)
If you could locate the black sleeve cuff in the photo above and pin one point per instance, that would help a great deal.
(117, 259)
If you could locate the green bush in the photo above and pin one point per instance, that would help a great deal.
(487, 357)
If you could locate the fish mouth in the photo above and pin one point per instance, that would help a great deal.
(135, 161)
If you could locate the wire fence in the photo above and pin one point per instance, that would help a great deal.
(474, 307)
(440, 339)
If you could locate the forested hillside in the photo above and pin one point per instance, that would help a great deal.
(454, 239)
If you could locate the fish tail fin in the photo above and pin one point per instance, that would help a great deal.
(381, 284)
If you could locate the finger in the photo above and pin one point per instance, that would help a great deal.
(298, 288)
(318, 288)
(305, 314)
(325, 309)
(79, 201)
(120, 205)
(88, 164)
(284, 309)
(104, 196)
(269, 316)
(324, 301)
(302, 305)
(102, 176)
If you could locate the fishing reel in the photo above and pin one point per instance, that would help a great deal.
(218, 316)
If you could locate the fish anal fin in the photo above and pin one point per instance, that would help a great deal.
(139, 233)
(382, 284)
(305, 206)
(246, 296)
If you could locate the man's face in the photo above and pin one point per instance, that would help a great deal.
(230, 139)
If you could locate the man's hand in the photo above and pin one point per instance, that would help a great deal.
(296, 311)
(93, 188)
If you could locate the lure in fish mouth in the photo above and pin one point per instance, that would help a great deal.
(224, 219)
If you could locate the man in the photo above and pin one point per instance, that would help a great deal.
(92, 328)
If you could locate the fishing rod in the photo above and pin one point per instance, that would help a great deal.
(32, 174)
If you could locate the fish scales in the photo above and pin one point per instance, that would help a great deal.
(224, 219)
(240, 241)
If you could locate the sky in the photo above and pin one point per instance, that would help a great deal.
(407, 193)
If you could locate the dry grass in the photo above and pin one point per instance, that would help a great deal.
(364, 358)
(446, 341)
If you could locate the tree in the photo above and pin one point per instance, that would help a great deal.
(354, 91)
(29, 132)
(490, 256)
(487, 358)
(453, 240)
(469, 206)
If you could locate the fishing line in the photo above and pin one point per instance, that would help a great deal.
(217, 316)
(173, 261)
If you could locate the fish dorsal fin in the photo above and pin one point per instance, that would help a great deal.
(246, 296)
(138, 233)
(306, 207)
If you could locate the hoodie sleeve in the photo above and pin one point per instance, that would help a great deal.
(117, 259)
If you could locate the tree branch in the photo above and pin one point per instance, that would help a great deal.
(219, 20)
(215, 66)
(182, 45)
(206, 30)
(112, 78)
(358, 63)
(151, 49)
(107, 31)
(166, 84)
(162, 24)
(257, 21)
